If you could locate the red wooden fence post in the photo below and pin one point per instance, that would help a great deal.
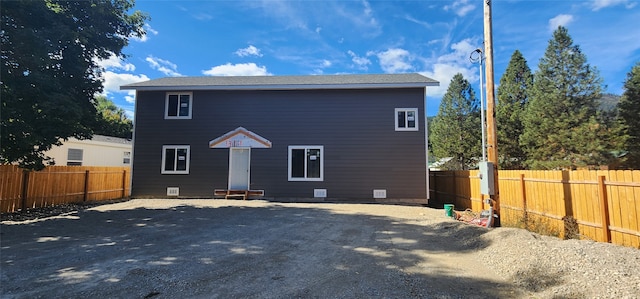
(86, 185)
(524, 199)
(604, 209)
(25, 189)
(124, 181)
(455, 189)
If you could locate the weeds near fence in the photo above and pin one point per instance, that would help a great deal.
(538, 226)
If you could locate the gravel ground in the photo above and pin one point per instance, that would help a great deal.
(525, 264)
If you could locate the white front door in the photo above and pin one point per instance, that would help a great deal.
(239, 159)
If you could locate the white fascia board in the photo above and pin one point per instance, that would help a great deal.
(280, 87)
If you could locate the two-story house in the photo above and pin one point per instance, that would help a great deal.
(348, 137)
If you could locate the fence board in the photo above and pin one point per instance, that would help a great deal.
(56, 185)
(552, 195)
(631, 210)
(635, 177)
(616, 210)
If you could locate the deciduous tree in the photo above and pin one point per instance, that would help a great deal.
(111, 119)
(49, 70)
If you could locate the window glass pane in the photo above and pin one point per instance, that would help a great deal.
(172, 108)
(297, 163)
(74, 154)
(182, 159)
(169, 159)
(184, 105)
(401, 119)
(411, 119)
(313, 163)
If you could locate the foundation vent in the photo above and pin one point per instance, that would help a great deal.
(379, 193)
(173, 191)
(320, 193)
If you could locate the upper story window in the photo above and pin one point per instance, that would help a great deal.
(406, 119)
(306, 163)
(175, 159)
(178, 105)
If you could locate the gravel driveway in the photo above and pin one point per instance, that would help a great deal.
(162, 248)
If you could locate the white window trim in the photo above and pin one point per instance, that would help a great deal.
(166, 105)
(395, 118)
(80, 150)
(306, 147)
(164, 153)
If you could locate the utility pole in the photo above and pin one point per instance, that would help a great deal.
(492, 136)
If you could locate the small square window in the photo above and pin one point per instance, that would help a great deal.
(406, 119)
(126, 158)
(306, 163)
(178, 105)
(175, 159)
(74, 157)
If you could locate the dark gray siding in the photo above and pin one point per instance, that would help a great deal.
(356, 127)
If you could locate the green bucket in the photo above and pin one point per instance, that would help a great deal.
(448, 210)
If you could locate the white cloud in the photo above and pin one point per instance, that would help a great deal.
(148, 30)
(240, 69)
(600, 4)
(115, 62)
(446, 66)
(360, 62)
(460, 7)
(368, 13)
(251, 50)
(394, 60)
(130, 97)
(164, 66)
(113, 81)
(202, 16)
(559, 20)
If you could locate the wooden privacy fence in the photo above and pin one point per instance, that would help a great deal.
(21, 190)
(589, 204)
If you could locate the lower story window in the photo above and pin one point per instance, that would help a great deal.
(306, 163)
(74, 157)
(175, 159)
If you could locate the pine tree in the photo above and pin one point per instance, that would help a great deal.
(629, 114)
(455, 130)
(513, 95)
(560, 124)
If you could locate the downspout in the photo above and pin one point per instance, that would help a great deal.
(426, 144)
(133, 145)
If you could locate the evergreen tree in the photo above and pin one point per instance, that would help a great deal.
(111, 119)
(455, 131)
(560, 122)
(629, 113)
(513, 95)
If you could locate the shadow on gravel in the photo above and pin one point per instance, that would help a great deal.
(232, 252)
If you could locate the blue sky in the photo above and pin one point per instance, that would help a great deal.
(434, 38)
